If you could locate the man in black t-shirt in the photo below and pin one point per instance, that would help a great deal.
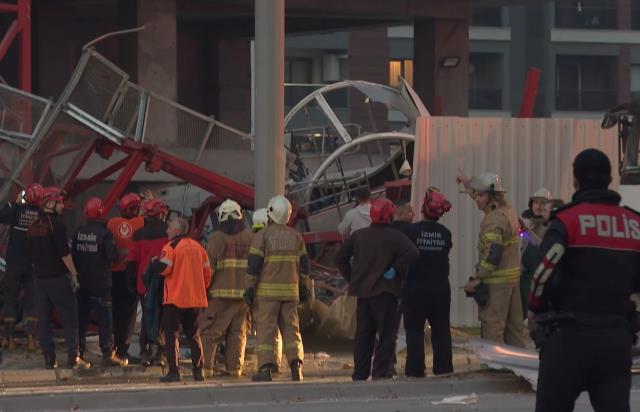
(19, 271)
(56, 280)
(426, 292)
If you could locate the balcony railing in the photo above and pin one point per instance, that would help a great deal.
(569, 17)
(585, 100)
(485, 99)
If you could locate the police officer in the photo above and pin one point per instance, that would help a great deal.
(374, 261)
(426, 293)
(498, 269)
(278, 267)
(227, 316)
(56, 279)
(579, 300)
(123, 291)
(93, 250)
(19, 271)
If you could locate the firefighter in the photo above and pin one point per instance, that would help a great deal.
(123, 291)
(374, 261)
(579, 300)
(147, 244)
(426, 292)
(259, 221)
(278, 266)
(93, 250)
(533, 217)
(56, 279)
(227, 316)
(19, 271)
(185, 266)
(498, 270)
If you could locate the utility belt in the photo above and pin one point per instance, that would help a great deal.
(551, 322)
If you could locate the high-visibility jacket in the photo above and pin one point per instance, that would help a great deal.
(277, 260)
(499, 246)
(123, 230)
(187, 273)
(228, 255)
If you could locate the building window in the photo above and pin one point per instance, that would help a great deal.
(402, 68)
(635, 14)
(585, 83)
(635, 82)
(486, 75)
(297, 78)
(486, 16)
(586, 14)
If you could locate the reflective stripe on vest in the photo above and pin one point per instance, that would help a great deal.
(231, 263)
(226, 293)
(286, 258)
(277, 290)
(503, 276)
(264, 348)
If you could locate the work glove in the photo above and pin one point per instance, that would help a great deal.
(249, 296)
(74, 282)
(477, 290)
(304, 294)
(390, 274)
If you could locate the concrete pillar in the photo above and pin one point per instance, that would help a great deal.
(370, 64)
(157, 66)
(445, 89)
(269, 105)
(623, 75)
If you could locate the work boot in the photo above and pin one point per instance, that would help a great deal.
(146, 358)
(32, 342)
(111, 359)
(263, 374)
(160, 359)
(198, 375)
(9, 330)
(50, 361)
(296, 370)
(76, 362)
(171, 377)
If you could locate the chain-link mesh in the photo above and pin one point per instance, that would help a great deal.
(223, 139)
(20, 112)
(98, 87)
(125, 116)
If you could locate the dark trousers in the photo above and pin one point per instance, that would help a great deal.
(56, 293)
(596, 361)
(375, 316)
(146, 341)
(101, 308)
(432, 304)
(124, 309)
(19, 276)
(172, 318)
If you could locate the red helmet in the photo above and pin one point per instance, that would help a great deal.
(52, 193)
(34, 194)
(93, 209)
(130, 204)
(382, 211)
(435, 205)
(154, 208)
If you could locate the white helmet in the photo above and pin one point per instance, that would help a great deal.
(541, 193)
(260, 217)
(486, 182)
(279, 209)
(229, 209)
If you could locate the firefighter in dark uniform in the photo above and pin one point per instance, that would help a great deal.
(426, 294)
(93, 250)
(56, 279)
(580, 310)
(19, 272)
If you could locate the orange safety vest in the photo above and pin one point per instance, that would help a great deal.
(187, 275)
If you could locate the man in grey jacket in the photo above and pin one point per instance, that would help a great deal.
(358, 217)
